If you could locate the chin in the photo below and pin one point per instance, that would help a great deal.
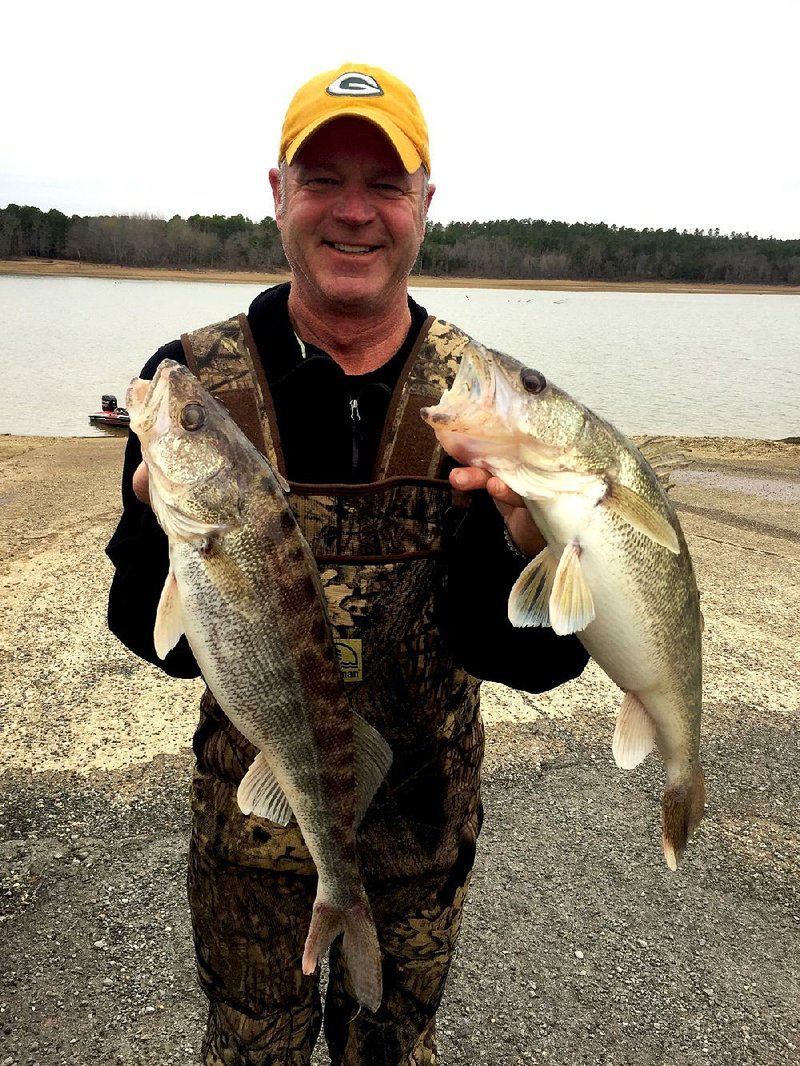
(355, 291)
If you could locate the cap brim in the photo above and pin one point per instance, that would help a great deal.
(409, 156)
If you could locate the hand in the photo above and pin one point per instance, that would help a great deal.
(521, 527)
(141, 483)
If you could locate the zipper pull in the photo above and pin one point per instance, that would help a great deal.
(355, 419)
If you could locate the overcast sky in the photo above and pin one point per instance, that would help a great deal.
(645, 113)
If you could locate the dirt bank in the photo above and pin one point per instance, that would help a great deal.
(579, 946)
(69, 268)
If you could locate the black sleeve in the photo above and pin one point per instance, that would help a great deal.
(473, 610)
(138, 549)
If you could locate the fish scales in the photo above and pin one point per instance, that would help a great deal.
(616, 570)
(296, 649)
(244, 588)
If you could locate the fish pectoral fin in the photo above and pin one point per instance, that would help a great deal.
(637, 512)
(634, 735)
(373, 757)
(259, 793)
(169, 626)
(528, 602)
(571, 603)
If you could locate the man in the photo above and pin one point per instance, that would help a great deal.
(327, 375)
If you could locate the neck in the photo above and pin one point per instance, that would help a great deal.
(358, 341)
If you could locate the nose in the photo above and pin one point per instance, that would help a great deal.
(353, 206)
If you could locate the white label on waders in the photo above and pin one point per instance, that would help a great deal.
(348, 653)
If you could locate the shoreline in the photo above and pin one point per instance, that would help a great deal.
(733, 495)
(32, 267)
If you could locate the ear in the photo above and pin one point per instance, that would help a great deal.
(275, 185)
(431, 191)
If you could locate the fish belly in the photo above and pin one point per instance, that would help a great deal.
(620, 638)
(641, 648)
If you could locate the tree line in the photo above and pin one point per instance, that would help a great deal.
(511, 248)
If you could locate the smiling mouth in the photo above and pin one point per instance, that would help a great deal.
(352, 249)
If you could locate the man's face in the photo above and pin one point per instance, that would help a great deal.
(353, 218)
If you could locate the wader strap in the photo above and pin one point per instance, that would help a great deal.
(224, 358)
(409, 446)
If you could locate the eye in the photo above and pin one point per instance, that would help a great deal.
(193, 416)
(386, 188)
(532, 380)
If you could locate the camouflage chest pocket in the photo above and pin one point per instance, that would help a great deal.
(379, 551)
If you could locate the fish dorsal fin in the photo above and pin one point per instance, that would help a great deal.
(637, 512)
(529, 601)
(373, 758)
(662, 460)
(169, 627)
(571, 603)
(634, 735)
(259, 793)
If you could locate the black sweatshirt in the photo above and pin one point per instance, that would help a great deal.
(330, 425)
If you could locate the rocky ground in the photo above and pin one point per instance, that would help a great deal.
(579, 945)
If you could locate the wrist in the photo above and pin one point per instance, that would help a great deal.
(512, 546)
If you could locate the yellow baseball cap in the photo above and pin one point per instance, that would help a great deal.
(363, 92)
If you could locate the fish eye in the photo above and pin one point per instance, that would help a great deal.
(193, 416)
(532, 380)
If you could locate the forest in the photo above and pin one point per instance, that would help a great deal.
(511, 248)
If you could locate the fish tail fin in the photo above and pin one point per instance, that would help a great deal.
(360, 947)
(681, 810)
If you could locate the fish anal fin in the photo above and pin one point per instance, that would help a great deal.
(373, 757)
(637, 512)
(682, 809)
(259, 793)
(169, 618)
(528, 602)
(634, 735)
(571, 603)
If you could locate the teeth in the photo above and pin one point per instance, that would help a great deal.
(358, 249)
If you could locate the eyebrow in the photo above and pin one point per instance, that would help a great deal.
(397, 174)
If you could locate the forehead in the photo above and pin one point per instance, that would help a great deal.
(349, 140)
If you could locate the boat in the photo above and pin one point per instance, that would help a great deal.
(110, 415)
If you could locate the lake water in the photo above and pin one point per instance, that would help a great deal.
(697, 364)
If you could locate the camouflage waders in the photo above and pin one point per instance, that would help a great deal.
(251, 882)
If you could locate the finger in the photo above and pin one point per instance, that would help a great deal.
(501, 493)
(469, 478)
(141, 483)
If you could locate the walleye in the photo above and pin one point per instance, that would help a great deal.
(244, 588)
(616, 570)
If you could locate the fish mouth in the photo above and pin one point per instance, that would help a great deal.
(470, 404)
(468, 420)
(144, 399)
